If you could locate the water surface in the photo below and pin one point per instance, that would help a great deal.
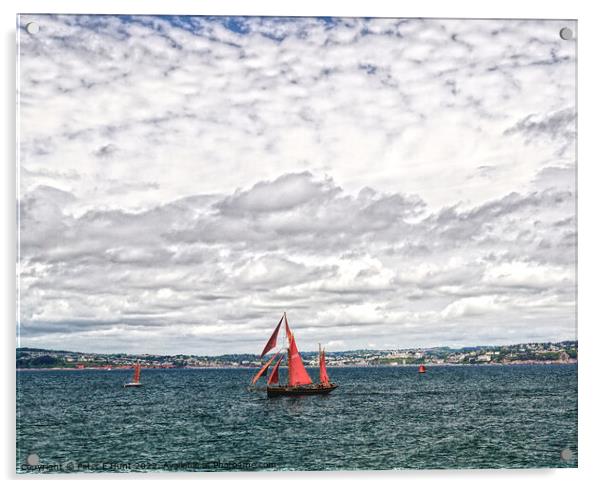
(379, 418)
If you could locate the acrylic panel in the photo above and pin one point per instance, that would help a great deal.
(263, 243)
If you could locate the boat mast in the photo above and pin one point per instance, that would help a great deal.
(288, 349)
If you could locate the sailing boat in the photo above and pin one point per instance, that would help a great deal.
(136, 380)
(299, 381)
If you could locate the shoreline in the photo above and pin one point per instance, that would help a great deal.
(251, 368)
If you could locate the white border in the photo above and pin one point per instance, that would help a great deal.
(590, 219)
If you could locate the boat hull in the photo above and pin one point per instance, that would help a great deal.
(132, 385)
(276, 391)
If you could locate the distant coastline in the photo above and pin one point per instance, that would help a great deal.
(455, 365)
(516, 354)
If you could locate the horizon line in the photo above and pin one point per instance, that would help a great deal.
(342, 351)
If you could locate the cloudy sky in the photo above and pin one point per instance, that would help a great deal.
(389, 183)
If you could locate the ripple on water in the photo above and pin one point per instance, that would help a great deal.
(379, 418)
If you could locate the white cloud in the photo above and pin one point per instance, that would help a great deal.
(481, 305)
(516, 273)
(184, 180)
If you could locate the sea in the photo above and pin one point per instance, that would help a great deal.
(380, 418)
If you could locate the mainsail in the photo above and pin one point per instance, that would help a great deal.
(271, 344)
(297, 374)
(137, 373)
(324, 379)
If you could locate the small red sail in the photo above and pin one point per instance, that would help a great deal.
(263, 369)
(274, 379)
(324, 379)
(137, 373)
(273, 339)
(297, 374)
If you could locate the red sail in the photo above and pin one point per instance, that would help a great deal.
(274, 379)
(137, 373)
(263, 370)
(289, 334)
(273, 340)
(297, 374)
(324, 379)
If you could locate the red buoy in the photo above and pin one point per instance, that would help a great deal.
(421, 369)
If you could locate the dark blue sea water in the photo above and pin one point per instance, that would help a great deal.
(379, 418)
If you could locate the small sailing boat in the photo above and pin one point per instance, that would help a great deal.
(299, 381)
(421, 369)
(136, 380)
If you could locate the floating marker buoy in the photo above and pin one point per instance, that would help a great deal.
(421, 369)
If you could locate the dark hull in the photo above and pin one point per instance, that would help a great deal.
(276, 391)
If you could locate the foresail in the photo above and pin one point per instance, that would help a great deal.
(274, 379)
(263, 370)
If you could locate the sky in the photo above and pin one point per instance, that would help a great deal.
(389, 183)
